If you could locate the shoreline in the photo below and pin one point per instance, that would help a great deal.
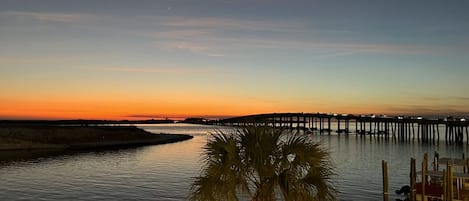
(43, 137)
(162, 139)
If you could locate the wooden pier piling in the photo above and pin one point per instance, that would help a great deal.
(413, 180)
(385, 180)
(403, 129)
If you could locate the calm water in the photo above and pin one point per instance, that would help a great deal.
(165, 172)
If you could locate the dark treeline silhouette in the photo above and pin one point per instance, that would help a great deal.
(197, 120)
(82, 122)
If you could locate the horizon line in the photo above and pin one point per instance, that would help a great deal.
(218, 117)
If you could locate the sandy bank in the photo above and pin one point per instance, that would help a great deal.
(80, 137)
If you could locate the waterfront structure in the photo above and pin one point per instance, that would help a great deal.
(441, 184)
(402, 128)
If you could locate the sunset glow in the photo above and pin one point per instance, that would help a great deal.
(176, 59)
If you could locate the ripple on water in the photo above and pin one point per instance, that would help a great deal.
(165, 172)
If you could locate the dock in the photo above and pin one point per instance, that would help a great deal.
(447, 179)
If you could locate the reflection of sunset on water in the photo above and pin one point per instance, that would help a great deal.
(165, 172)
(373, 69)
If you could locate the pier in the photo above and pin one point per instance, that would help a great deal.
(400, 128)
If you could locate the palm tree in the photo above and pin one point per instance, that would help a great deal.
(263, 164)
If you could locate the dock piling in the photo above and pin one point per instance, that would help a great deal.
(401, 128)
(385, 180)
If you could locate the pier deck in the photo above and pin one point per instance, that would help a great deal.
(403, 128)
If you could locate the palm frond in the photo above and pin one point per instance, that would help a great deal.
(259, 161)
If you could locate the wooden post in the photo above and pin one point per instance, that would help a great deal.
(401, 131)
(311, 122)
(425, 158)
(404, 133)
(393, 130)
(356, 126)
(424, 132)
(445, 185)
(467, 135)
(304, 121)
(446, 132)
(320, 125)
(450, 182)
(376, 129)
(434, 132)
(388, 124)
(386, 130)
(424, 175)
(419, 133)
(424, 179)
(466, 167)
(429, 133)
(362, 127)
(338, 126)
(461, 134)
(451, 134)
(409, 137)
(274, 121)
(385, 181)
(413, 178)
(347, 126)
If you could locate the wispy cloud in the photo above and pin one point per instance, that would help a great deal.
(36, 60)
(216, 37)
(156, 70)
(460, 98)
(197, 48)
(441, 98)
(182, 33)
(428, 110)
(202, 35)
(213, 44)
(317, 44)
(49, 16)
(232, 24)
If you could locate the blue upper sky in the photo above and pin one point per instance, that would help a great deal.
(232, 57)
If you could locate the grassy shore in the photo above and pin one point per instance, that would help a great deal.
(17, 137)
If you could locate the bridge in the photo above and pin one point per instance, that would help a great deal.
(402, 128)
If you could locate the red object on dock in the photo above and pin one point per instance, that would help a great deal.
(434, 190)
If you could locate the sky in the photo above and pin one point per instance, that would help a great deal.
(142, 59)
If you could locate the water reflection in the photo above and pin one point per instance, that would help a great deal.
(358, 162)
(42, 155)
(165, 172)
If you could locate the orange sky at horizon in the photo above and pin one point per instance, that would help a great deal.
(106, 60)
(135, 110)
